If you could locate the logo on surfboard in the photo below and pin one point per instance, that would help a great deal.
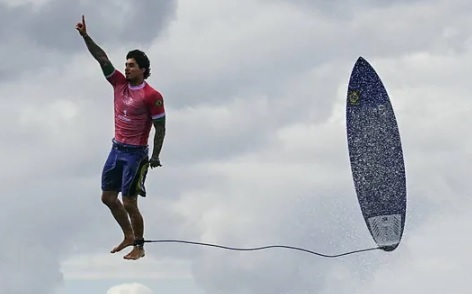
(354, 97)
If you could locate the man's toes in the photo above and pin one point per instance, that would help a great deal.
(122, 246)
(134, 254)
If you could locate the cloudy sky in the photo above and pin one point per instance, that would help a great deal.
(255, 153)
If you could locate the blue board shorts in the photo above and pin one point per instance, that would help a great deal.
(125, 169)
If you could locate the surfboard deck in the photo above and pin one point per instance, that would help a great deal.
(376, 156)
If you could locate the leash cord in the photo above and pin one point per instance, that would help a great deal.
(261, 248)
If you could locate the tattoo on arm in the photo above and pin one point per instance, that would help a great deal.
(159, 136)
(96, 51)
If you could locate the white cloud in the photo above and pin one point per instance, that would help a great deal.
(16, 3)
(132, 288)
(428, 263)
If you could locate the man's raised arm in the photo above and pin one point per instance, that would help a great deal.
(94, 49)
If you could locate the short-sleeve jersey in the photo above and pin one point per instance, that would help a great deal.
(135, 109)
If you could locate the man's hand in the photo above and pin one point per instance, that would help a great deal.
(154, 161)
(81, 27)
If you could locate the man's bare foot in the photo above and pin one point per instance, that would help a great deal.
(135, 254)
(128, 241)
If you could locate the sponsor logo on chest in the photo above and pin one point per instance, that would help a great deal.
(129, 107)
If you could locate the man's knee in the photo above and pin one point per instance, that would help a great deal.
(130, 203)
(109, 198)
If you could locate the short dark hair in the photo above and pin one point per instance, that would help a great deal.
(142, 60)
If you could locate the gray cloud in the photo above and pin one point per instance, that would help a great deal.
(341, 9)
(52, 25)
(39, 227)
(47, 35)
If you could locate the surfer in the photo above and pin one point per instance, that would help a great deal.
(137, 107)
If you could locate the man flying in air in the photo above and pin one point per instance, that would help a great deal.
(137, 107)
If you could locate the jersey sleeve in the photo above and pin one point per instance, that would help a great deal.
(115, 77)
(155, 105)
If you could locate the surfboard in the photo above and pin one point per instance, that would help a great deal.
(376, 156)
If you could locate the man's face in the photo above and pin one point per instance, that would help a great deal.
(132, 70)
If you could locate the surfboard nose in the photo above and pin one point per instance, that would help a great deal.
(361, 59)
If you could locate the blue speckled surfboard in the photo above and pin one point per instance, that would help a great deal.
(376, 156)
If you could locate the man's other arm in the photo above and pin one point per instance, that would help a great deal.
(157, 112)
(160, 128)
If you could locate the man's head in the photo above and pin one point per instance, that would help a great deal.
(137, 67)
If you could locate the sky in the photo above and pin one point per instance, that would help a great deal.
(255, 152)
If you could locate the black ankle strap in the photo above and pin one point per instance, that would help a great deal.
(138, 243)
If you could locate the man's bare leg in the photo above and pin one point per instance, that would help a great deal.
(110, 199)
(137, 222)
